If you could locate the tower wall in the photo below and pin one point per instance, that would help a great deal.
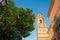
(42, 30)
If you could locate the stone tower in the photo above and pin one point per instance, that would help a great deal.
(42, 30)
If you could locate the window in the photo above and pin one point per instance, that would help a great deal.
(40, 21)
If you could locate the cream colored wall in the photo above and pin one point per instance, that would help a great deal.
(43, 38)
(42, 30)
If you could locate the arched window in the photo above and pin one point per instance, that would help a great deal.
(40, 21)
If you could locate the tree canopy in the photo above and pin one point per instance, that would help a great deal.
(15, 23)
(57, 24)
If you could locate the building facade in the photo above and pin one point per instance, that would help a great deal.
(42, 30)
(54, 16)
(43, 33)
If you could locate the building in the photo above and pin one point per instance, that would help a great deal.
(43, 33)
(54, 15)
(42, 30)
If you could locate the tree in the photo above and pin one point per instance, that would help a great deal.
(15, 23)
(57, 24)
(56, 27)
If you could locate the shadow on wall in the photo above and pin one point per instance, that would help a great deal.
(56, 29)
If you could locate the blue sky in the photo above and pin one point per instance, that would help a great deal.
(37, 6)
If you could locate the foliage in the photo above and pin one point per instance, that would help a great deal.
(15, 23)
(57, 23)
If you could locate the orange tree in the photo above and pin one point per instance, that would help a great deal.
(15, 23)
